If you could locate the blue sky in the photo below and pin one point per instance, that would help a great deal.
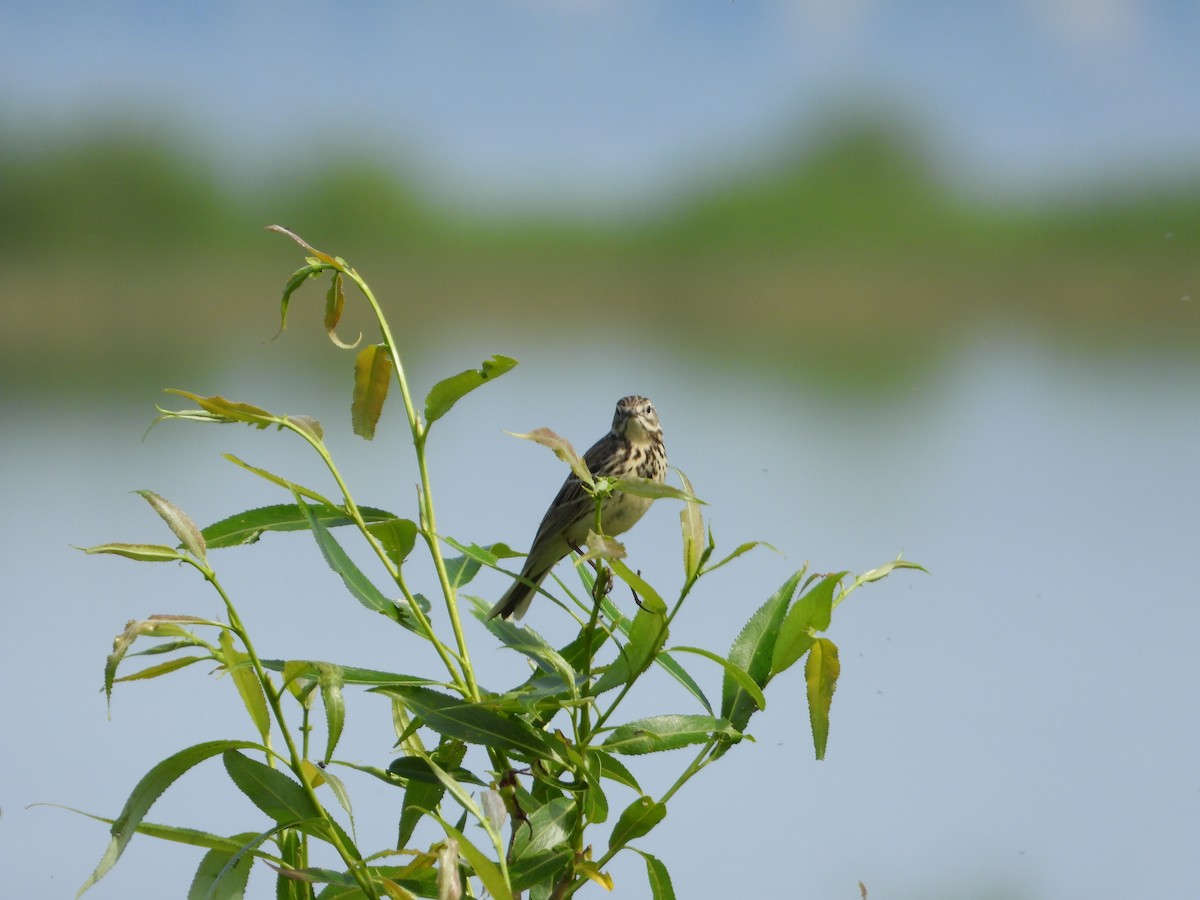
(595, 99)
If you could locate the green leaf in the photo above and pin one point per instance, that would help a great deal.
(247, 527)
(179, 522)
(449, 391)
(155, 626)
(282, 482)
(149, 789)
(614, 769)
(821, 672)
(472, 722)
(650, 599)
(329, 679)
(231, 410)
(360, 587)
(742, 548)
(660, 878)
(372, 375)
(297, 278)
(237, 664)
(396, 536)
(549, 828)
(638, 819)
(647, 635)
(281, 798)
(222, 874)
(753, 650)
(425, 791)
(161, 669)
(811, 613)
(140, 552)
(350, 674)
(887, 569)
(670, 732)
(691, 523)
(743, 679)
(654, 490)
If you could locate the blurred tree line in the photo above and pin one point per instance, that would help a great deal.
(852, 243)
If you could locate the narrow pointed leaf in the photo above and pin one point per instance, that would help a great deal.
(330, 681)
(659, 877)
(657, 733)
(281, 798)
(161, 669)
(149, 789)
(887, 568)
(654, 490)
(247, 527)
(650, 599)
(139, 552)
(372, 375)
(752, 652)
(231, 410)
(222, 875)
(741, 549)
(485, 870)
(691, 522)
(179, 522)
(821, 672)
(282, 482)
(446, 393)
(360, 587)
(297, 278)
(247, 684)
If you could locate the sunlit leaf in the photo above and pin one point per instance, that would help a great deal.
(309, 426)
(811, 613)
(179, 522)
(601, 546)
(140, 552)
(230, 410)
(741, 548)
(592, 871)
(293, 284)
(330, 261)
(887, 568)
(655, 490)
(443, 395)
(372, 375)
(247, 684)
(821, 672)
(691, 522)
(329, 679)
(161, 669)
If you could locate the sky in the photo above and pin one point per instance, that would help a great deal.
(594, 102)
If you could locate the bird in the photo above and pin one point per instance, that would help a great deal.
(633, 447)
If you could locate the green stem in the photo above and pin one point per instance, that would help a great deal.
(353, 864)
(426, 500)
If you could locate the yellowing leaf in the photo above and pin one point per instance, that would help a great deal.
(562, 449)
(372, 374)
(335, 302)
(821, 671)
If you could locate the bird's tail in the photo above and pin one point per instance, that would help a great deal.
(516, 599)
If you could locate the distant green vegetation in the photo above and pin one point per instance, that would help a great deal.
(853, 245)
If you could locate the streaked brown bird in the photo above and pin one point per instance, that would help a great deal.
(632, 447)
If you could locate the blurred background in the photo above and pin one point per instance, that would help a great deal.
(915, 278)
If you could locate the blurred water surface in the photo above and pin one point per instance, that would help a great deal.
(1019, 723)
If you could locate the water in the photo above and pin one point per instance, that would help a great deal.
(1021, 722)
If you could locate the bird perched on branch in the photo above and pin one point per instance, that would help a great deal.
(632, 448)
